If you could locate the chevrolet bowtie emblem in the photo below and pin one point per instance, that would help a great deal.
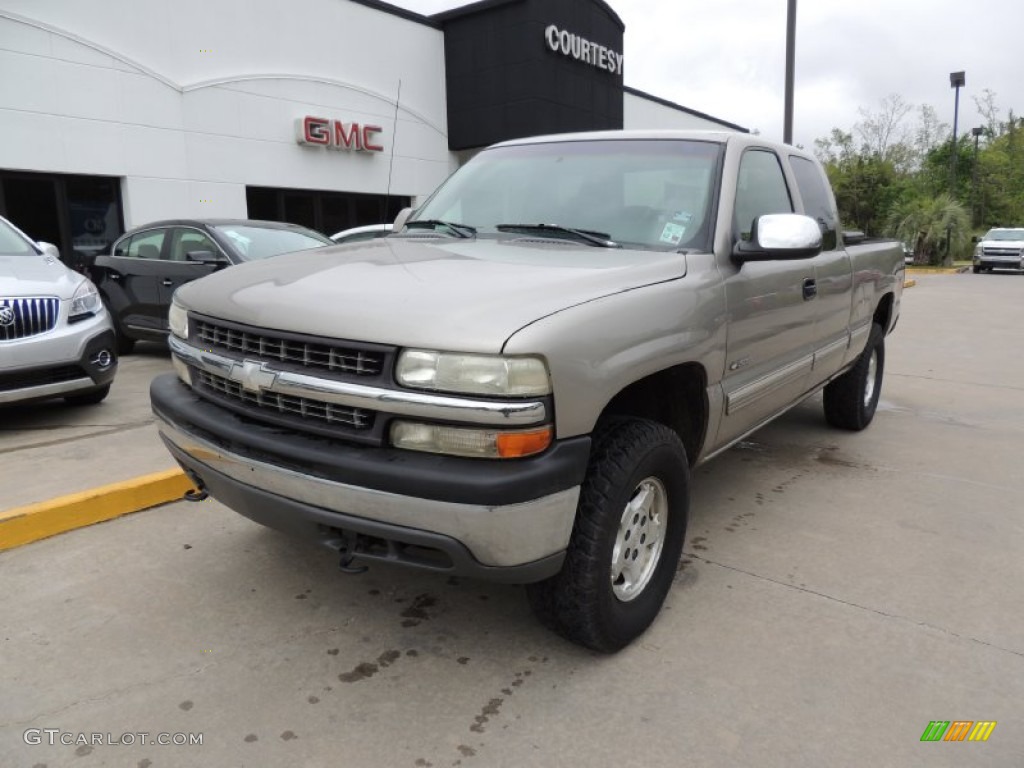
(253, 376)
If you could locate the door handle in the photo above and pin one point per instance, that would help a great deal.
(810, 289)
(167, 282)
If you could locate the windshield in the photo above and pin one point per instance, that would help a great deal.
(254, 243)
(641, 194)
(12, 243)
(1005, 234)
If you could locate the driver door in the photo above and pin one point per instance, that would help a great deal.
(771, 331)
(179, 269)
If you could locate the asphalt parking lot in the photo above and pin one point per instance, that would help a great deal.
(838, 592)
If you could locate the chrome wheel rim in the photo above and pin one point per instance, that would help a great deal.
(640, 539)
(869, 385)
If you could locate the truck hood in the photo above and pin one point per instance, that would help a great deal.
(463, 295)
(36, 276)
(1007, 244)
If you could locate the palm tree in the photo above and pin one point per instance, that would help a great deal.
(928, 224)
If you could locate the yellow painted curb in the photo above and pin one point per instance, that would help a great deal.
(33, 522)
(909, 283)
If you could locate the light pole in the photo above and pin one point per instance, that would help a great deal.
(977, 131)
(787, 123)
(956, 81)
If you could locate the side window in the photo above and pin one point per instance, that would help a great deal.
(121, 248)
(761, 189)
(147, 245)
(183, 241)
(817, 200)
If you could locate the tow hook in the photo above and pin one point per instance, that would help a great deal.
(199, 492)
(345, 547)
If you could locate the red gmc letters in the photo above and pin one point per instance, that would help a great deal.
(335, 134)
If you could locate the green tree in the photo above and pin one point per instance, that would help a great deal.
(928, 224)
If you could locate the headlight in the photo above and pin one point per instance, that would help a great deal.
(177, 320)
(85, 302)
(470, 442)
(473, 374)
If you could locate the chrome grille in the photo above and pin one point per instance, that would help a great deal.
(308, 354)
(1001, 250)
(287, 405)
(23, 317)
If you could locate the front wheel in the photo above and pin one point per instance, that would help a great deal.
(851, 399)
(626, 541)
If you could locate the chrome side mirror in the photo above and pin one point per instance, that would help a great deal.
(401, 218)
(49, 249)
(780, 236)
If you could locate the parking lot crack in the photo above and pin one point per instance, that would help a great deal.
(983, 385)
(107, 695)
(858, 606)
(110, 429)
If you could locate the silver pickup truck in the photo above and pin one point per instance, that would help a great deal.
(516, 382)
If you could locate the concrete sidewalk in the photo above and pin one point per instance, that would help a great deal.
(64, 467)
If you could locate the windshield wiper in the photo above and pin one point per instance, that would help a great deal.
(459, 230)
(601, 239)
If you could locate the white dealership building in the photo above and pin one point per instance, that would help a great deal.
(114, 113)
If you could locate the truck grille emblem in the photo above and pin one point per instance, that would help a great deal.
(253, 376)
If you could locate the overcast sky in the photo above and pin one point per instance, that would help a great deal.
(727, 57)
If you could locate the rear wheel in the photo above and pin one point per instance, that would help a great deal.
(627, 539)
(851, 399)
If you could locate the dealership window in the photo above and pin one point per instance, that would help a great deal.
(326, 212)
(81, 215)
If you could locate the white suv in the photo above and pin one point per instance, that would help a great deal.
(56, 339)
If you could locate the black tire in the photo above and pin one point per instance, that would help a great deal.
(581, 602)
(851, 399)
(125, 345)
(89, 398)
(977, 270)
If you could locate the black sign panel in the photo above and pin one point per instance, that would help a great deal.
(518, 68)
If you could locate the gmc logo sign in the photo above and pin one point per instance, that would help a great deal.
(335, 134)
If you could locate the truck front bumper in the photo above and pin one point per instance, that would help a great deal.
(497, 520)
(989, 261)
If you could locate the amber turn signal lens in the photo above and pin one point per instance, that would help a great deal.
(513, 445)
